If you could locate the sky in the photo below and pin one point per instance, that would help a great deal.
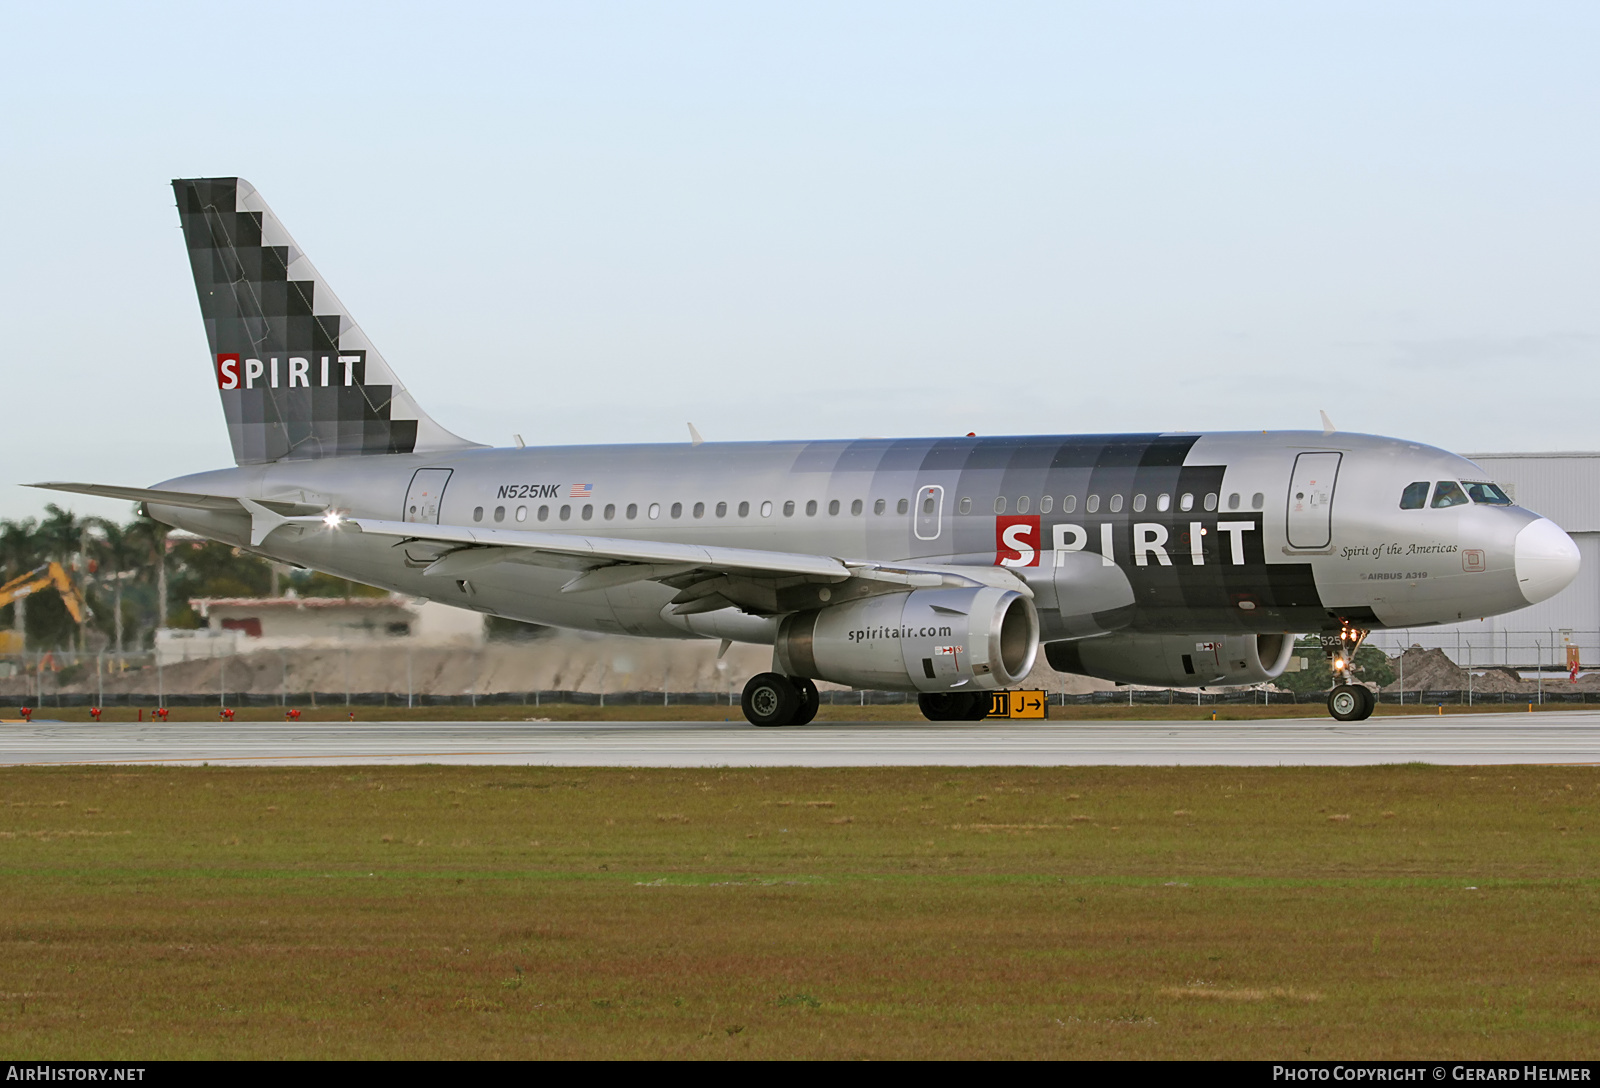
(597, 222)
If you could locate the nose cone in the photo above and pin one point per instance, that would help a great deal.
(1547, 560)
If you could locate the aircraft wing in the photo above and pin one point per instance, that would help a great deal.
(708, 577)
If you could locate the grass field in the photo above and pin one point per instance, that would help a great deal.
(860, 913)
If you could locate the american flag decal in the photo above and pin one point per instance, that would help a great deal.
(581, 491)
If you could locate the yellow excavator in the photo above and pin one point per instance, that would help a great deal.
(41, 577)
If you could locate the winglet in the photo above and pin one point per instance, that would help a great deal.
(1327, 424)
(262, 521)
(694, 436)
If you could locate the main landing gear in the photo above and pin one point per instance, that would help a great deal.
(954, 706)
(772, 699)
(1348, 701)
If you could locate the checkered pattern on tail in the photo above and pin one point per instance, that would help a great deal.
(297, 376)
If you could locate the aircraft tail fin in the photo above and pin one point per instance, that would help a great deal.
(298, 377)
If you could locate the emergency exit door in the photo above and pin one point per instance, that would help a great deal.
(1311, 499)
(422, 497)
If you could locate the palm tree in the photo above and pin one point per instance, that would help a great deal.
(120, 550)
(60, 537)
(149, 537)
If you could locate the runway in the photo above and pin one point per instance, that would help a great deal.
(1568, 737)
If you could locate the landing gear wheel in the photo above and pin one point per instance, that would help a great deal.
(769, 699)
(807, 702)
(982, 702)
(948, 706)
(1351, 703)
(1372, 700)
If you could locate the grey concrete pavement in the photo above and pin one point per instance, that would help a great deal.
(1566, 737)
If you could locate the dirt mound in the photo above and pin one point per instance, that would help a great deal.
(1427, 670)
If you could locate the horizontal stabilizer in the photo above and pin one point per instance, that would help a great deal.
(145, 494)
(186, 499)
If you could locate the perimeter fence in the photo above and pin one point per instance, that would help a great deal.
(535, 699)
(66, 679)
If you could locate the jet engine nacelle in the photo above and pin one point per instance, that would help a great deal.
(924, 640)
(1174, 660)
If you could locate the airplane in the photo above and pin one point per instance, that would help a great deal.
(939, 566)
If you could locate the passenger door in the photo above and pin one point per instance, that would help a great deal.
(424, 494)
(1311, 499)
(929, 512)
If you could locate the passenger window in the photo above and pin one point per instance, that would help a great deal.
(1069, 504)
(1233, 501)
(902, 506)
(722, 509)
(1211, 501)
(999, 504)
(522, 513)
(1093, 505)
(1186, 502)
(766, 509)
(588, 511)
(1116, 504)
(566, 513)
(499, 513)
(744, 509)
(833, 507)
(633, 510)
(1415, 496)
(655, 510)
(1163, 503)
(1257, 501)
(855, 508)
(611, 510)
(966, 505)
(1022, 505)
(878, 507)
(677, 511)
(477, 513)
(1488, 494)
(1138, 504)
(699, 509)
(544, 513)
(927, 505)
(1046, 504)
(1448, 493)
(811, 508)
(788, 509)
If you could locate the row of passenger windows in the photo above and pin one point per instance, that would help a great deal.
(1024, 504)
(1448, 493)
(653, 512)
(1114, 503)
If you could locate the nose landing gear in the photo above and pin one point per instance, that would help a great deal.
(1348, 701)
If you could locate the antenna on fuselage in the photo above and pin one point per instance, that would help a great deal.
(1327, 424)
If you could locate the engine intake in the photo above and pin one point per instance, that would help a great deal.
(924, 640)
(1174, 660)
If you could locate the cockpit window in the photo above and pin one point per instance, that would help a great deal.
(1448, 493)
(1488, 494)
(1415, 496)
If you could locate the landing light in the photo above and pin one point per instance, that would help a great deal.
(1338, 662)
(332, 519)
